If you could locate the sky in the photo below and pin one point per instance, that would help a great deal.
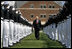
(61, 3)
(12, 3)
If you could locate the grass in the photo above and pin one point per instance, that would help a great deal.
(31, 42)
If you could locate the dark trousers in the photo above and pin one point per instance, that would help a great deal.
(37, 34)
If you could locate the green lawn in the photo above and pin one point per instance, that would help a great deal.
(43, 42)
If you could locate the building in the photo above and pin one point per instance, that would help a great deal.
(43, 9)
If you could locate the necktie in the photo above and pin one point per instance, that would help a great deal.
(37, 22)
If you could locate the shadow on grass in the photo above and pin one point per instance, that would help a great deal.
(44, 42)
(49, 42)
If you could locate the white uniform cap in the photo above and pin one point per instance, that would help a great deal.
(8, 7)
(16, 12)
(1, 18)
(13, 8)
(19, 12)
(2, 3)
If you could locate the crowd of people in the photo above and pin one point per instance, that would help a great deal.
(13, 26)
(59, 27)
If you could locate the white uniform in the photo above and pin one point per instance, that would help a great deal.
(5, 33)
(20, 31)
(1, 32)
(18, 34)
(56, 33)
(46, 30)
(53, 32)
(63, 32)
(25, 31)
(11, 24)
(70, 32)
(68, 42)
(59, 31)
(15, 32)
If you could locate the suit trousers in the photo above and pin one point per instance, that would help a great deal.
(37, 34)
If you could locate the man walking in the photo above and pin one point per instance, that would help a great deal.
(37, 26)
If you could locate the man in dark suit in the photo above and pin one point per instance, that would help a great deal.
(37, 26)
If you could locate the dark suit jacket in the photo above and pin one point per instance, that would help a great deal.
(37, 26)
